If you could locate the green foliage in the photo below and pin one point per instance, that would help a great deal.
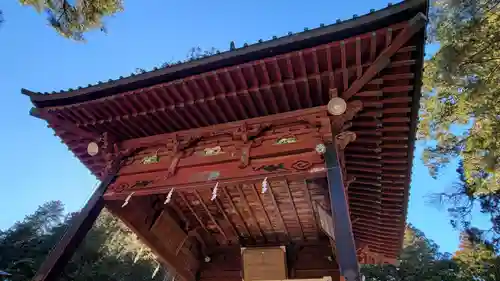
(109, 252)
(73, 19)
(476, 258)
(24, 245)
(112, 252)
(420, 260)
(461, 87)
(461, 102)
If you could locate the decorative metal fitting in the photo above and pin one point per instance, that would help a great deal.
(337, 106)
(320, 148)
(92, 149)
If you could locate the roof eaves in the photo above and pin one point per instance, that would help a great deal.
(219, 60)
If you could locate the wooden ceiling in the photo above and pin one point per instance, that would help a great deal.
(242, 213)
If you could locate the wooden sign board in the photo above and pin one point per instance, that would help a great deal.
(264, 263)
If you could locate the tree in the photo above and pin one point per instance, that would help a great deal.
(476, 258)
(420, 260)
(73, 19)
(25, 243)
(110, 250)
(461, 100)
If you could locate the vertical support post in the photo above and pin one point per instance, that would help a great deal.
(344, 239)
(60, 255)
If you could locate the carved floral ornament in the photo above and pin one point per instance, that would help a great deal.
(212, 151)
(286, 140)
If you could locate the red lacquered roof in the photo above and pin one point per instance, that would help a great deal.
(281, 75)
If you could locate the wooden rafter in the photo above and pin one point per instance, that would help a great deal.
(210, 215)
(310, 204)
(235, 210)
(292, 203)
(179, 213)
(243, 199)
(226, 217)
(261, 204)
(414, 25)
(278, 212)
(359, 68)
(200, 221)
(60, 124)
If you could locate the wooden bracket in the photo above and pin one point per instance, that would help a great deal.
(173, 165)
(245, 156)
(338, 122)
(348, 181)
(344, 138)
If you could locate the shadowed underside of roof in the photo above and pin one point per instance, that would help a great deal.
(287, 74)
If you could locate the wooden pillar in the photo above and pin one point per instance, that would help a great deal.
(59, 256)
(344, 239)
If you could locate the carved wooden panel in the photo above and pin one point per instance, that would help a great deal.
(237, 152)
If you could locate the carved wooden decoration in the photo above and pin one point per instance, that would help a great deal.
(249, 150)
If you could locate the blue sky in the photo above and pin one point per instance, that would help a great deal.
(35, 167)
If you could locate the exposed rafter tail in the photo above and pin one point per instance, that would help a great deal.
(55, 122)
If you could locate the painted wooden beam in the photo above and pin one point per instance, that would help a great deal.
(344, 238)
(414, 25)
(59, 256)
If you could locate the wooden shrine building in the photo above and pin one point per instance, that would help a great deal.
(286, 159)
